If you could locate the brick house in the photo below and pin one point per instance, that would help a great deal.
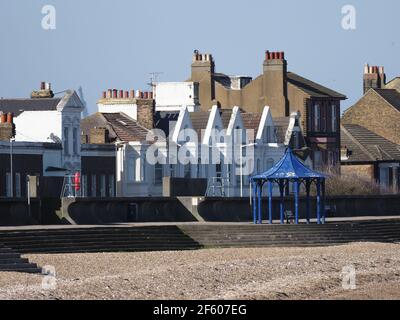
(370, 156)
(284, 92)
(379, 108)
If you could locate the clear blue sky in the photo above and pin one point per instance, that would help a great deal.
(100, 44)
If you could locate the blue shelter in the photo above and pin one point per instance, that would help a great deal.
(289, 170)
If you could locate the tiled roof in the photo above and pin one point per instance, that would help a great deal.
(392, 96)
(251, 121)
(17, 106)
(199, 121)
(311, 88)
(367, 146)
(226, 115)
(125, 128)
(281, 127)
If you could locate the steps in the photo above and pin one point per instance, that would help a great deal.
(101, 239)
(223, 236)
(10, 261)
(190, 237)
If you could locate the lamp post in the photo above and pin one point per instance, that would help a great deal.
(11, 168)
(241, 165)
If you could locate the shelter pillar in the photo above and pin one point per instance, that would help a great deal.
(282, 205)
(308, 204)
(255, 202)
(319, 201)
(270, 189)
(259, 203)
(296, 201)
(323, 201)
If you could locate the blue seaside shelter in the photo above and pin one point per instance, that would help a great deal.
(289, 170)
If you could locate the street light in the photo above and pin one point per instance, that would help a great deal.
(241, 165)
(11, 168)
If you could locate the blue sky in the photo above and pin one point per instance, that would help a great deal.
(101, 44)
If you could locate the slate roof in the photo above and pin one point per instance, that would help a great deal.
(311, 88)
(367, 146)
(251, 121)
(17, 106)
(199, 122)
(281, 127)
(392, 96)
(119, 125)
(226, 115)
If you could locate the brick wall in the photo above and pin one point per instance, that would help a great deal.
(375, 114)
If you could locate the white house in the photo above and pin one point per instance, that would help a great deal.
(45, 118)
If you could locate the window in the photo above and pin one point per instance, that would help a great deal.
(103, 185)
(188, 171)
(172, 170)
(84, 185)
(75, 141)
(8, 185)
(218, 170)
(93, 191)
(111, 190)
(267, 137)
(18, 185)
(158, 174)
(317, 118)
(334, 118)
(66, 141)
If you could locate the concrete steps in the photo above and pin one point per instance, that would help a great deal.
(11, 261)
(192, 237)
(387, 231)
(111, 239)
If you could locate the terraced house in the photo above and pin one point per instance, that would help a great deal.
(284, 92)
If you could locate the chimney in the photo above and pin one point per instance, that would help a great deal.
(374, 78)
(7, 127)
(145, 113)
(44, 92)
(104, 94)
(115, 93)
(203, 69)
(275, 83)
(98, 135)
(109, 94)
(132, 94)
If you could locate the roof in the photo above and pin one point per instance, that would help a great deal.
(289, 167)
(251, 121)
(165, 121)
(392, 96)
(367, 146)
(17, 106)
(226, 115)
(311, 88)
(126, 128)
(119, 125)
(393, 84)
(281, 127)
(199, 121)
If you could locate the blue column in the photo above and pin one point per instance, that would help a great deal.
(323, 201)
(270, 189)
(254, 202)
(259, 203)
(308, 205)
(318, 201)
(282, 190)
(296, 201)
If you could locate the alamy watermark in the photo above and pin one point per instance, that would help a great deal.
(49, 281)
(349, 278)
(49, 19)
(349, 20)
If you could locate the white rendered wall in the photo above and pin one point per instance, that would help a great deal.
(129, 109)
(171, 96)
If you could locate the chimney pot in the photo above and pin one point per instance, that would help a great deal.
(126, 94)
(104, 94)
(115, 93)
(3, 118)
(282, 55)
(43, 85)
(121, 94)
(109, 95)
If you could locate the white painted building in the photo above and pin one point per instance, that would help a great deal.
(172, 96)
(49, 119)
